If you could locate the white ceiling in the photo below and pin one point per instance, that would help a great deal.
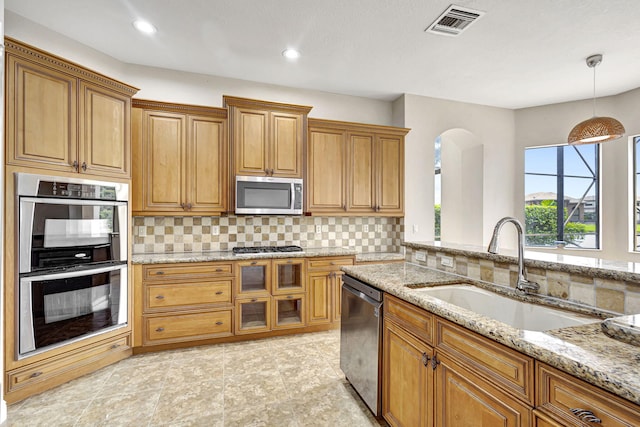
(521, 53)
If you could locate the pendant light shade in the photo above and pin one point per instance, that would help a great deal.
(596, 129)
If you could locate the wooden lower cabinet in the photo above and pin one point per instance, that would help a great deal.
(187, 326)
(40, 376)
(425, 385)
(463, 399)
(542, 420)
(324, 284)
(572, 402)
(406, 370)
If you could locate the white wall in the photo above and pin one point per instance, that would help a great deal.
(550, 125)
(190, 88)
(492, 127)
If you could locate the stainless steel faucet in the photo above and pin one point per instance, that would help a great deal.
(523, 284)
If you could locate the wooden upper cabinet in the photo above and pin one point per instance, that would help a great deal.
(267, 138)
(326, 175)
(361, 173)
(105, 130)
(355, 169)
(61, 116)
(181, 156)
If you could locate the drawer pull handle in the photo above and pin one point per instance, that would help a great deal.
(160, 329)
(113, 347)
(219, 293)
(289, 262)
(254, 262)
(254, 300)
(425, 359)
(35, 374)
(219, 323)
(586, 415)
(159, 273)
(159, 296)
(332, 263)
(289, 296)
(434, 362)
(218, 270)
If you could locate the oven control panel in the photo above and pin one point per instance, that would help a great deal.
(76, 191)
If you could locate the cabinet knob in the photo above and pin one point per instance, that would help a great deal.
(344, 207)
(254, 300)
(84, 166)
(160, 329)
(159, 296)
(35, 374)
(219, 323)
(219, 293)
(183, 206)
(434, 362)
(586, 415)
(425, 359)
(189, 206)
(75, 165)
(332, 263)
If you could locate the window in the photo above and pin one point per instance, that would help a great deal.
(636, 221)
(562, 201)
(437, 189)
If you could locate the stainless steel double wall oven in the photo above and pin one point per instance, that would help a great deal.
(72, 237)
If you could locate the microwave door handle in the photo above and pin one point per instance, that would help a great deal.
(293, 196)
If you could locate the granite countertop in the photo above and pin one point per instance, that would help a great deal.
(175, 257)
(584, 351)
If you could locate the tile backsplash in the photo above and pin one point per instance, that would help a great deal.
(195, 234)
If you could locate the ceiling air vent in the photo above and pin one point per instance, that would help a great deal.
(454, 20)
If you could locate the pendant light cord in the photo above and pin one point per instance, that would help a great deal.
(594, 91)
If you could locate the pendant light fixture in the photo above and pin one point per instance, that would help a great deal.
(595, 129)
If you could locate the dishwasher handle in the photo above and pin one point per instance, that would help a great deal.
(361, 295)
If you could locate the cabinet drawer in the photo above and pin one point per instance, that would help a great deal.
(497, 363)
(413, 319)
(330, 263)
(186, 271)
(66, 363)
(185, 327)
(559, 393)
(188, 294)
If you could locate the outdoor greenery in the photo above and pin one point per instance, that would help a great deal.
(437, 222)
(541, 225)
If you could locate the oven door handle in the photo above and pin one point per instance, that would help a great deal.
(74, 273)
(55, 201)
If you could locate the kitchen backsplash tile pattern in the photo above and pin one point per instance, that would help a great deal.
(195, 234)
(612, 295)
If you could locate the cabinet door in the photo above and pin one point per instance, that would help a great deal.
(289, 311)
(105, 132)
(320, 293)
(253, 315)
(250, 141)
(41, 116)
(206, 171)
(407, 379)
(163, 139)
(390, 174)
(463, 399)
(361, 192)
(285, 147)
(288, 276)
(326, 177)
(254, 278)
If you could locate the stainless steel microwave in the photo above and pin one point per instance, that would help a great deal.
(257, 195)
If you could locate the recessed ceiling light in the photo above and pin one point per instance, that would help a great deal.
(144, 26)
(291, 54)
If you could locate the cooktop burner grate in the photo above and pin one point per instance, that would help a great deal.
(266, 249)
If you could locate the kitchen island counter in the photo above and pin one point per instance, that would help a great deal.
(583, 351)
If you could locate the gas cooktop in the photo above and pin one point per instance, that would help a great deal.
(265, 249)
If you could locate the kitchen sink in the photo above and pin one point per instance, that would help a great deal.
(517, 314)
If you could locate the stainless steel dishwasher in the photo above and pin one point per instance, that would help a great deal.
(360, 339)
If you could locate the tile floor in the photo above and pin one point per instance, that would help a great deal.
(283, 381)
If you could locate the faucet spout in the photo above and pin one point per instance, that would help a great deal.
(523, 284)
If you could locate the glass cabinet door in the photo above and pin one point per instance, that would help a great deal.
(289, 311)
(253, 315)
(253, 278)
(288, 276)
